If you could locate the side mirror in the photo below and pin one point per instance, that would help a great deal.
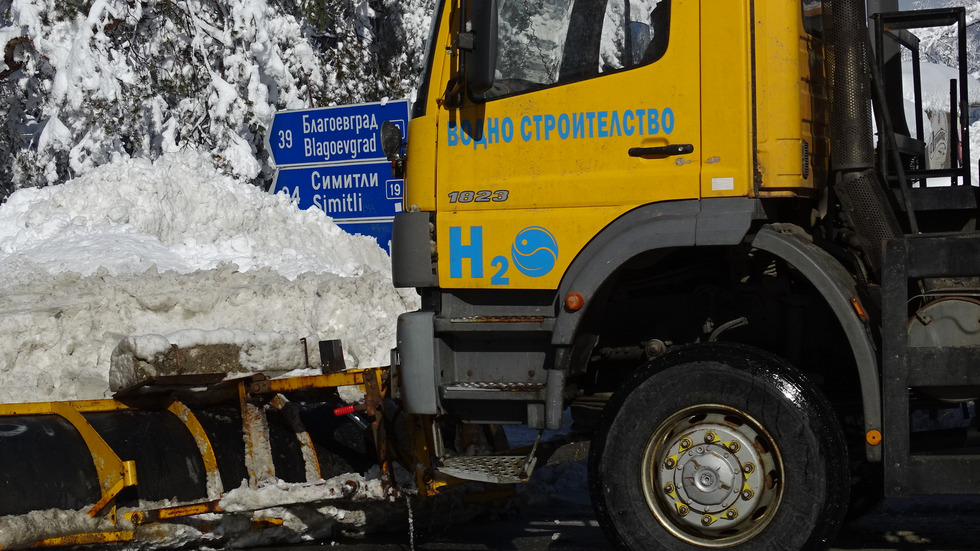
(481, 58)
(391, 140)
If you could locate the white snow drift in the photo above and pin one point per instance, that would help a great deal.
(139, 247)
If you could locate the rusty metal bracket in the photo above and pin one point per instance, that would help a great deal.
(376, 391)
(87, 539)
(171, 513)
(351, 377)
(291, 413)
(258, 448)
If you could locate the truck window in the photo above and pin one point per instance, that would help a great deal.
(555, 42)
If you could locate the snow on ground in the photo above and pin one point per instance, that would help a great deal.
(139, 247)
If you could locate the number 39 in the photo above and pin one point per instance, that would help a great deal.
(285, 139)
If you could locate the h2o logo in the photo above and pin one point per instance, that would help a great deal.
(534, 252)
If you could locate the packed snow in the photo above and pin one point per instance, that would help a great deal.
(150, 248)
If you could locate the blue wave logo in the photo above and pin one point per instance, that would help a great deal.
(535, 251)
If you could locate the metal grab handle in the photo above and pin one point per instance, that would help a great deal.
(665, 150)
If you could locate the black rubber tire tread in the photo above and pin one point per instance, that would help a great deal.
(805, 428)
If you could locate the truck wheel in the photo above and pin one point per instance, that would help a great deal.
(719, 445)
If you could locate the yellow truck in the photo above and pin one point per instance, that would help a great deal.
(709, 229)
(682, 213)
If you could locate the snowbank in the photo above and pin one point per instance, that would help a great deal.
(935, 101)
(935, 85)
(139, 247)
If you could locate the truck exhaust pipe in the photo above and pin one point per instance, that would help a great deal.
(857, 183)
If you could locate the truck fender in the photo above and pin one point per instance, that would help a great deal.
(657, 226)
(835, 284)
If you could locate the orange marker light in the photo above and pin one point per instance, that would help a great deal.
(859, 309)
(873, 437)
(574, 302)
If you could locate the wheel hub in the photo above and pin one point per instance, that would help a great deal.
(711, 475)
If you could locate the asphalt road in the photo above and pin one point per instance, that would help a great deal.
(541, 518)
(919, 529)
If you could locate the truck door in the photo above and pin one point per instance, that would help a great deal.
(594, 111)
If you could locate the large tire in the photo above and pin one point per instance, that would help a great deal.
(719, 445)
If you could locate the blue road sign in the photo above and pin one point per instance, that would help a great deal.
(342, 134)
(343, 191)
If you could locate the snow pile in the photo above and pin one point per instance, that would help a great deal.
(935, 85)
(178, 213)
(139, 247)
(935, 106)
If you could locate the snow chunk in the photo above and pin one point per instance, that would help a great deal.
(196, 351)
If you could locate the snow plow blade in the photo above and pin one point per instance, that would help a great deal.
(171, 448)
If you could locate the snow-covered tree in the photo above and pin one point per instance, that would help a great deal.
(938, 44)
(88, 81)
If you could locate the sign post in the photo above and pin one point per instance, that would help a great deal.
(331, 159)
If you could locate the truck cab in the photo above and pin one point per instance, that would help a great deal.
(672, 214)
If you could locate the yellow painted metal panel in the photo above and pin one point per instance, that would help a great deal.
(420, 169)
(784, 102)
(310, 382)
(43, 408)
(422, 144)
(528, 249)
(726, 99)
(554, 163)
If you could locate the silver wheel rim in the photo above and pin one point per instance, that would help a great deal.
(712, 476)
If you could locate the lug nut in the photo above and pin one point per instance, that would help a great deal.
(731, 514)
(683, 510)
(685, 443)
(748, 468)
(669, 488)
(709, 437)
(747, 494)
(669, 463)
(733, 445)
(706, 520)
